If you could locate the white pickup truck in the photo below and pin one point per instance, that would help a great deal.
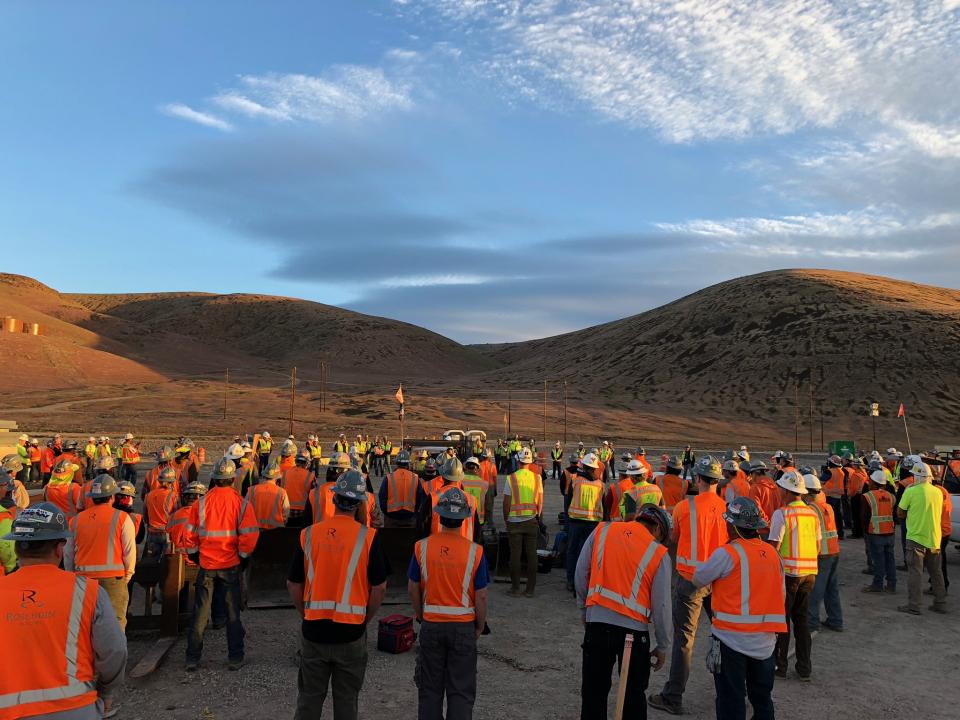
(955, 519)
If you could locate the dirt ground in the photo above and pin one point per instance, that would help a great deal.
(885, 664)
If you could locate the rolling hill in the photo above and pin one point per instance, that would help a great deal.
(745, 348)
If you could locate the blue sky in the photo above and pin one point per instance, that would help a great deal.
(490, 170)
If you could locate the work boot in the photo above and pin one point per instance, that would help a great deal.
(871, 589)
(867, 571)
(192, 665)
(513, 592)
(659, 702)
(909, 610)
(235, 664)
(942, 609)
(890, 589)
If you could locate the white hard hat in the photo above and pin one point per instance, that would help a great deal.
(590, 461)
(92, 439)
(128, 436)
(911, 461)
(234, 452)
(526, 456)
(879, 477)
(636, 468)
(921, 471)
(24, 437)
(793, 481)
(606, 442)
(812, 482)
(265, 434)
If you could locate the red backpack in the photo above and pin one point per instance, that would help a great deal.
(395, 634)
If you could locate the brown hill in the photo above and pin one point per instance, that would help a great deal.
(762, 347)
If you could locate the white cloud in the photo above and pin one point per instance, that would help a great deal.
(185, 112)
(730, 68)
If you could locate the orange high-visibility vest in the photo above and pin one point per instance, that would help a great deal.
(177, 530)
(954, 467)
(402, 491)
(477, 488)
(431, 485)
(673, 488)
(269, 503)
(616, 491)
(321, 502)
(335, 556)
(448, 564)
(65, 496)
(701, 529)
(488, 469)
(296, 481)
(222, 528)
(798, 547)
(764, 493)
(586, 500)
(751, 598)
(288, 462)
(828, 527)
(624, 562)
(526, 494)
(836, 485)
(466, 527)
(98, 544)
(857, 480)
(160, 504)
(737, 487)
(881, 512)
(129, 454)
(48, 617)
(137, 522)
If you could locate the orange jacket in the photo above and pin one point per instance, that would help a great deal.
(152, 479)
(60, 606)
(159, 506)
(754, 606)
(177, 530)
(674, 489)
(222, 529)
(700, 529)
(763, 491)
(836, 485)
(65, 496)
(335, 556)
(448, 564)
(622, 569)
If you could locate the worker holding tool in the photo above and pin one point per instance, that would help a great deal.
(623, 583)
(748, 604)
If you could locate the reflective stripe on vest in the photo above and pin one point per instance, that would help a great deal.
(520, 506)
(830, 544)
(111, 548)
(343, 606)
(477, 488)
(270, 521)
(692, 560)
(745, 618)
(74, 687)
(465, 607)
(409, 500)
(878, 522)
(586, 500)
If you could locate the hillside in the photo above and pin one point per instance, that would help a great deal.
(738, 348)
(91, 340)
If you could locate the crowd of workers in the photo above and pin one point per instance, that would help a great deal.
(755, 547)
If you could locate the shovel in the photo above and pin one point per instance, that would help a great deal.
(624, 672)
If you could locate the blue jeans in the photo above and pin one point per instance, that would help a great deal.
(577, 533)
(881, 556)
(827, 591)
(208, 583)
(742, 677)
(129, 473)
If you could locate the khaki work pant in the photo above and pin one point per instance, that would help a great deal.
(321, 664)
(119, 597)
(523, 542)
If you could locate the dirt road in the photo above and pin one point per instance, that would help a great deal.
(885, 665)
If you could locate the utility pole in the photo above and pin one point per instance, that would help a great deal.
(811, 410)
(323, 386)
(509, 411)
(544, 413)
(796, 409)
(226, 388)
(564, 412)
(293, 396)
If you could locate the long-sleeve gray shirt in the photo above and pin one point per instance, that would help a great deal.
(128, 545)
(660, 600)
(109, 661)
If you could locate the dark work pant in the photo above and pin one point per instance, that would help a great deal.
(687, 471)
(797, 609)
(577, 533)
(207, 584)
(944, 544)
(264, 461)
(129, 473)
(523, 542)
(882, 561)
(557, 470)
(741, 677)
(342, 665)
(602, 649)
(856, 510)
(446, 667)
(688, 601)
(837, 505)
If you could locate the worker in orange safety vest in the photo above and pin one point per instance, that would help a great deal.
(297, 482)
(748, 598)
(61, 490)
(447, 582)
(221, 535)
(337, 581)
(270, 503)
(401, 494)
(72, 650)
(826, 588)
(672, 486)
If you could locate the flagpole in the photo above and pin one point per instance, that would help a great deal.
(907, 432)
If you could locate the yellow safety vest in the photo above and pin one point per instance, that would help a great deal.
(525, 494)
(477, 487)
(798, 549)
(586, 500)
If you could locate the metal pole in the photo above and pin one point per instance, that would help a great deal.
(905, 430)
(811, 410)
(509, 411)
(796, 418)
(564, 412)
(293, 396)
(226, 388)
(821, 431)
(544, 413)
(874, 418)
